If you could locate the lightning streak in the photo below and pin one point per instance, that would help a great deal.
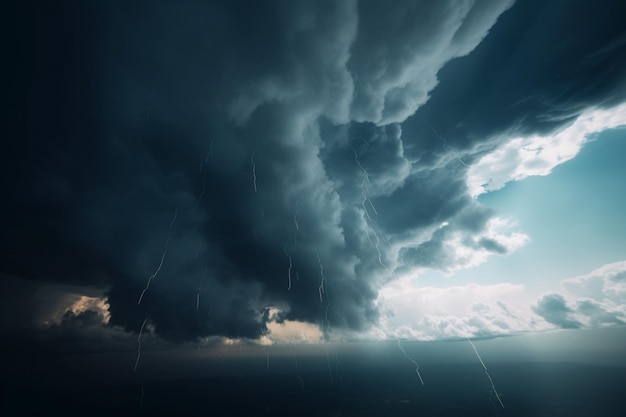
(322, 279)
(358, 161)
(380, 260)
(417, 367)
(174, 218)
(493, 387)
(253, 171)
(330, 371)
(295, 217)
(156, 272)
(201, 193)
(290, 266)
(364, 198)
(372, 205)
(203, 158)
(327, 321)
(139, 347)
(444, 144)
(337, 363)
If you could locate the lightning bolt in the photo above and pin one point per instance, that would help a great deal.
(327, 321)
(290, 266)
(365, 199)
(372, 205)
(380, 261)
(174, 218)
(493, 387)
(364, 186)
(444, 144)
(139, 346)
(253, 171)
(337, 363)
(363, 170)
(165, 249)
(369, 239)
(417, 367)
(330, 371)
(322, 279)
(203, 159)
(295, 216)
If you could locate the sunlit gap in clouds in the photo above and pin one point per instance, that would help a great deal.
(519, 158)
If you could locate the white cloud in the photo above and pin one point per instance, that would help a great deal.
(607, 283)
(469, 250)
(594, 299)
(290, 331)
(451, 247)
(431, 313)
(520, 158)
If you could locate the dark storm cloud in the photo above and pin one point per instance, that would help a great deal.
(542, 65)
(242, 154)
(400, 49)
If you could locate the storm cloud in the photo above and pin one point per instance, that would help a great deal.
(229, 158)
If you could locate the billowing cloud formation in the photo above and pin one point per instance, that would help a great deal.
(400, 49)
(473, 310)
(595, 299)
(234, 158)
(529, 78)
(425, 313)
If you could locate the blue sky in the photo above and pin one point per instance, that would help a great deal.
(574, 216)
(570, 214)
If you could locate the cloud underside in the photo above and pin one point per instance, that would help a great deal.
(230, 165)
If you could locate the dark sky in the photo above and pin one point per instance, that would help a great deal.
(266, 161)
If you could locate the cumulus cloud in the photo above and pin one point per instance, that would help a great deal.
(430, 313)
(455, 245)
(412, 311)
(594, 299)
